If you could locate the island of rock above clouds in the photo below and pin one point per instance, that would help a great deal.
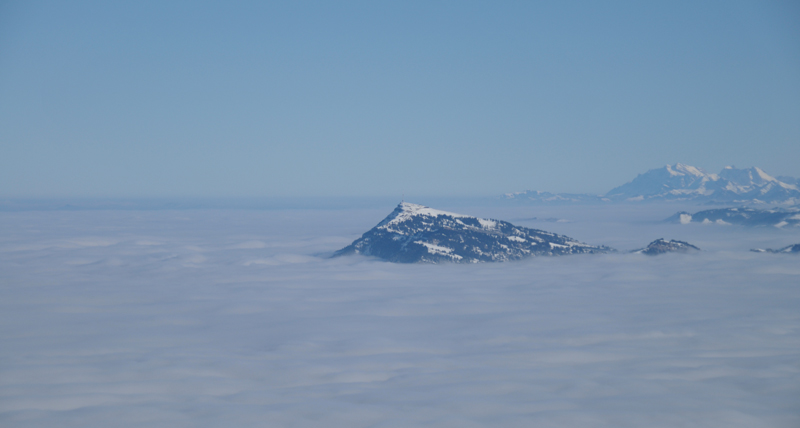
(791, 249)
(782, 218)
(418, 234)
(662, 246)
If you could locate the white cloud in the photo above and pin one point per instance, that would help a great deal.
(209, 329)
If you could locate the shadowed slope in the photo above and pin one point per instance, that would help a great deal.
(415, 233)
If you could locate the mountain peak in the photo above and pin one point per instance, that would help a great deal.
(417, 209)
(681, 181)
(683, 169)
(406, 211)
(678, 178)
(662, 246)
(415, 233)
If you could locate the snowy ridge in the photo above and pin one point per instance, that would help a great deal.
(790, 249)
(415, 233)
(683, 182)
(406, 211)
(680, 169)
(782, 218)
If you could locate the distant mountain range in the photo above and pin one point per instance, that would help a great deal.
(417, 234)
(681, 182)
(778, 217)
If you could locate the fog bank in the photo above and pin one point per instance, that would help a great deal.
(212, 317)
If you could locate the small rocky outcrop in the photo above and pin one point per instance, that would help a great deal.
(662, 246)
(792, 249)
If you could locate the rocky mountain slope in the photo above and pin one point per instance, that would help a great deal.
(417, 234)
(662, 246)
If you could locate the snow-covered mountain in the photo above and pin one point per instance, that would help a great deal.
(687, 183)
(684, 182)
(414, 233)
(675, 179)
(662, 246)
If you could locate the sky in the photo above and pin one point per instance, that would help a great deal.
(275, 99)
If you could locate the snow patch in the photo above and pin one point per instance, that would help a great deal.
(487, 224)
(436, 249)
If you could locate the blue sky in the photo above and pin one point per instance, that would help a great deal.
(152, 99)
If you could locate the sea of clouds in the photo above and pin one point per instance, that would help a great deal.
(194, 318)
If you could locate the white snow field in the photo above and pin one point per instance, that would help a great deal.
(213, 318)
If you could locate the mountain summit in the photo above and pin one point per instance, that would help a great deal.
(678, 179)
(662, 246)
(681, 181)
(418, 234)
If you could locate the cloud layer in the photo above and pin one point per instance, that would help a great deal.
(210, 318)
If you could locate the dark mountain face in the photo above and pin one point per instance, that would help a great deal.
(662, 246)
(791, 249)
(418, 234)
